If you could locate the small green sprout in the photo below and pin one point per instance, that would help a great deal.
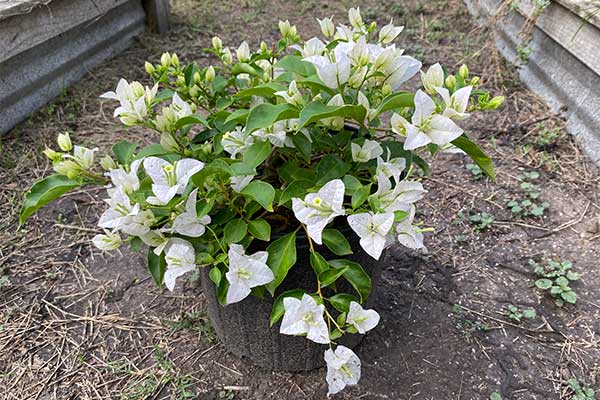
(482, 221)
(517, 314)
(581, 393)
(556, 276)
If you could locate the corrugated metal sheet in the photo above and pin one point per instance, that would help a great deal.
(35, 75)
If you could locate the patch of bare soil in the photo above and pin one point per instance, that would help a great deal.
(76, 324)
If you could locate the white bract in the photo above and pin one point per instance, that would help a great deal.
(236, 141)
(372, 230)
(304, 317)
(128, 181)
(238, 183)
(319, 209)
(292, 95)
(361, 319)
(327, 26)
(124, 216)
(426, 127)
(169, 179)
(188, 223)
(181, 258)
(108, 241)
(433, 78)
(134, 100)
(399, 197)
(246, 272)
(343, 369)
(84, 156)
(333, 72)
(368, 151)
(457, 103)
(388, 33)
(180, 107)
(409, 235)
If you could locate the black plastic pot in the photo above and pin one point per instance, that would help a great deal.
(243, 327)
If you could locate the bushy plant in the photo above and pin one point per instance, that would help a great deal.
(293, 136)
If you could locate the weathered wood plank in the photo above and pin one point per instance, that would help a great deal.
(21, 32)
(157, 15)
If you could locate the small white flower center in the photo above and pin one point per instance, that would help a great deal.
(309, 319)
(243, 273)
(170, 175)
(346, 371)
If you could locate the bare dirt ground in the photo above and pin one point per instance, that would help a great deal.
(76, 324)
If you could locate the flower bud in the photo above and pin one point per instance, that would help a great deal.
(357, 79)
(217, 43)
(327, 27)
(263, 47)
(168, 142)
(180, 80)
(175, 60)
(475, 80)
(197, 78)
(434, 77)
(285, 28)
(386, 89)
(450, 82)
(388, 33)
(149, 68)
(109, 241)
(243, 52)
(52, 155)
(194, 90)
(165, 60)
(227, 58)
(68, 168)
(210, 74)
(107, 163)
(355, 17)
(372, 26)
(64, 142)
(463, 72)
(495, 103)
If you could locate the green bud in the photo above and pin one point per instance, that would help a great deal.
(463, 72)
(64, 142)
(450, 82)
(107, 163)
(227, 57)
(217, 44)
(52, 155)
(68, 168)
(210, 74)
(475, 80)
(495, 102)
(175, 60)
(165, 60)
(197, 78)
(263, 47)
(386, 89)
(180, 80)
(168, 142)
(285, 28)
(372, 26)
(194, 90)
(149, 68)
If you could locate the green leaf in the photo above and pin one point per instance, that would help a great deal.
(151, 150)
(331, 167)
(481, 159)
(331, 275)
(257, 153)
(215, 275)
(396, 100)
(295, 64)
(282, 257)
(291, 171)
(243, 68)
(123, 151)
(569, 297)
(278, 308)
(261, 192)
(260, 229)
(135, 244)
(316, 111)
(266, 114)
(235, 230)
(562, 282)
(297, 188)
(352, 184)
(360, 196)
(264, 90)
(303, 145)
(315, 83)
(336, 242)
(157, 265)
(543, 284)
(573, 276)
(529, 313)
(43, 192)
(318, 263)
(341, 301)
(191, 119)
(356, 276)
(238, 116)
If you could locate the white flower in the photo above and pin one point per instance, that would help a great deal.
(155, 239)
(128, 181)
(187, 223)
(407, 234)
(355, 18)
(108, 241)
(369, 150)
(239, 182)
(400, 197)
(292, 95)
(391, 168)
(335, 123)
(383, 58)
(124, 216)
(312, 47)
(342, 32)
(64, 141)
(276, 134)
(246, 272)
(401, 69)
(359, 54)
(372, 230)
(343, 369)
(357, 79)
(426, 127)
(169, 179)
(180, 107)
(181, 258)
(363, 320)
(456, 105)
(327, 26)
(332, 73)
(389, 32)
(133, 99)
(433, 78)
(84, 157)
(243, 52)
(304, 317)
(236, 141)
(319, 209)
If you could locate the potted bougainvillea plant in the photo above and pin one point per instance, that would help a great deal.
(282, 174)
